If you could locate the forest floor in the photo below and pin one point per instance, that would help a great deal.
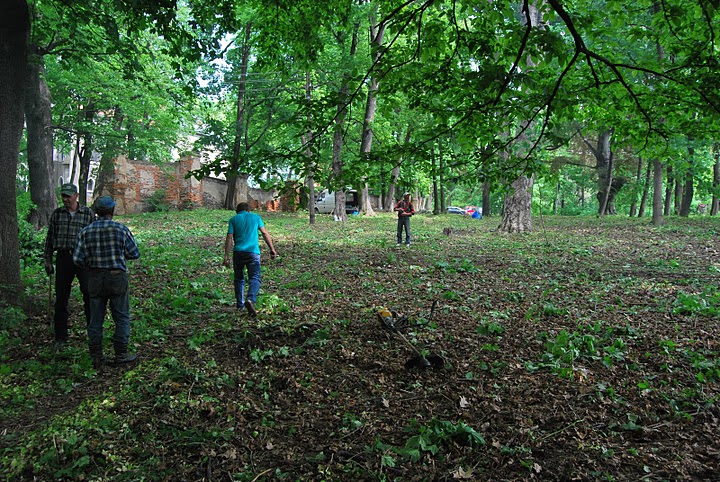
(586, 350)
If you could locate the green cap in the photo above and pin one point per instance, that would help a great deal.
(68, 189)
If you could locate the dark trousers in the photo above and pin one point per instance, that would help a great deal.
(109, 286)
(403, 222)
(65, 273)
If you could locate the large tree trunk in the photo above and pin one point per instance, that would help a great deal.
(38, 119)
(365, 203)
(340, 116)
(517, 207)
(14, 29)
(376, 39)
(657, 214)
(604, 169)
(234, 189)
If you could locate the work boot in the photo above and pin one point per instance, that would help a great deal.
(96, 353)
(251, 308)
(122, 356)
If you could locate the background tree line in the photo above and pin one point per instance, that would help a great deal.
(589, 105)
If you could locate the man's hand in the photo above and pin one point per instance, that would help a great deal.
(227, 262)
(49, 269)
(273, 254)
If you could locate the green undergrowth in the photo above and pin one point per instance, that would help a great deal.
(612, 309)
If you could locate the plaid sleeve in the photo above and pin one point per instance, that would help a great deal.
(49, 239)
(131, 249)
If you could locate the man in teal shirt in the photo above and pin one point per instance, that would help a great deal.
(242, 241)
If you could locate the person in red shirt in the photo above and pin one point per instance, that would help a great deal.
(405, 210)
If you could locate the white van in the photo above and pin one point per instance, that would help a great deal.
(325, 202)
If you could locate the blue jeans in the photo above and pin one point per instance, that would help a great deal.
(109, 285)
(250, 261)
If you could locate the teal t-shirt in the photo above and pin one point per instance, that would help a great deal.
(244, 227)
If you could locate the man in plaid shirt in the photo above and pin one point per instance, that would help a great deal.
(65, 224)
(405, 210)
(103, 247)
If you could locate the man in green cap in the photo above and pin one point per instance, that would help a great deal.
(65, 224)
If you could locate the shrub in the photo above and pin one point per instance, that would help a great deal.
(30, 240)
(157, 201)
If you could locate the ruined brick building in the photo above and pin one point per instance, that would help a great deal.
(139, 186)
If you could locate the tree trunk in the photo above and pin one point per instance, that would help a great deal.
(669, 190)
(376, 39)
(338, 139)
(638, 177)
(14, 29)
(715, 206)
(486, 207)
(394, 175)
(517, 207)
(645, 191)
(232, 196)
(337, 162)
(687, 197)
(441, 180)
(307, 140)
(657, 214)
(38, 119)
(687, 193)
(106, 165)
(678, 195)
(390, 195)
(365, 204)
(604, 169)
(85, 156)
(436, 205)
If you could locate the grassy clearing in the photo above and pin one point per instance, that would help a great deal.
(586, 349)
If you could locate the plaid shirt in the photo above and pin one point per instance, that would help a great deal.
(105, 244)
(405, 207)
(64, 228)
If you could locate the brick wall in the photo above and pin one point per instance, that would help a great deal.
(135, 185)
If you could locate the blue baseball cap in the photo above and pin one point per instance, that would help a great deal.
(105, 202)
